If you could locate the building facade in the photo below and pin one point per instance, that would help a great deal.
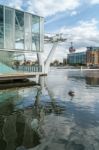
(92, 55)
(77, 58)
(20, 32)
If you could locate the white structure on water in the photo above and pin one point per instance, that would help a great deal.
(22, 32)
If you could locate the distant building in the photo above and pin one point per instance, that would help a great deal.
(64, 61)
(77, 58)
(92, 55)
(89, 58)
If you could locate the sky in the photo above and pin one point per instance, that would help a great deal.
(77, 20)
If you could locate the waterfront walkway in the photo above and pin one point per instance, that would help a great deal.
(19, 75)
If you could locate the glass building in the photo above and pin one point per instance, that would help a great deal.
(77, 58)
(20, 31)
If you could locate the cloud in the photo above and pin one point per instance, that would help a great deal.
(60, 16)
(94, 1)
(51, 7)
(15, 4)
(73, 13)
(53, 19)
(44, 7)
(85, 34)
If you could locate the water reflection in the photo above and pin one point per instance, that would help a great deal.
(16, 127)
(45, 117)
(90, 77)
(17, 133)
(3, 143)
(94, 81)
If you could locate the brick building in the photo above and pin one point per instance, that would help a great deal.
(92, 56)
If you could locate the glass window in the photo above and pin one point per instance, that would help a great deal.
(35, 33)
(6, 57)
(41, 33)
(9, 28)
(19, 30)
(1, 28)
(28, 31)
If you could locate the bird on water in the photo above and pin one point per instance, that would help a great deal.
(71, 93)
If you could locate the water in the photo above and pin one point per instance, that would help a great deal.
(48, 118)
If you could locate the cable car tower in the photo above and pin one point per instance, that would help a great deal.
(55, 40)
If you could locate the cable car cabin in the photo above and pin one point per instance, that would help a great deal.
(72, 49)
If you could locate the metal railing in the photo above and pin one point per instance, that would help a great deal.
(29, 68)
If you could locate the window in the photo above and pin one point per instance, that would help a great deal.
(35, 33)
(19, 30)
(1, 28)
(28, 31)
(41, 33)
(9, 28)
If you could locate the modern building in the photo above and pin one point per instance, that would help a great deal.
(77, 58)
(20, 32)
(92, 55)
